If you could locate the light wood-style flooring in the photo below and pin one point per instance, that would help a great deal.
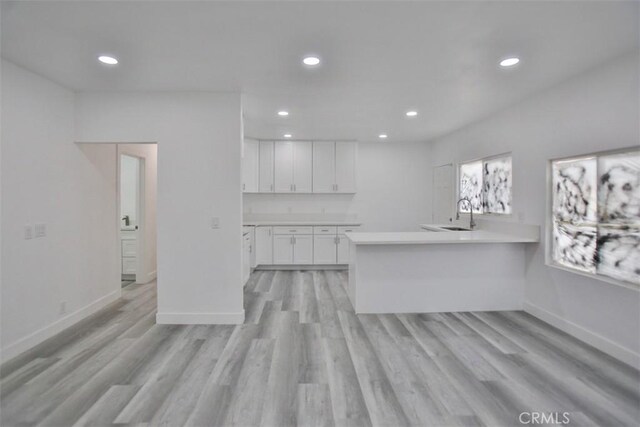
(303, 357)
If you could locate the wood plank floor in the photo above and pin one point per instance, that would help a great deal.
(303, 357)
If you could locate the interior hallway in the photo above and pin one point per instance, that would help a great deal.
(304, 358)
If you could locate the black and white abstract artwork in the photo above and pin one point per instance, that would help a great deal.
(574, 191)
(596, 215)
(574, 246)
(619, 189)
(497, 185)
(471, 186)
(618, 253)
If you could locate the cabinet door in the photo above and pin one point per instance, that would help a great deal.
(264, 246)
(250, 166)
(303, 249)
(324, 167)
(283, 167)
(265, 168)
(346, 167)
(324, 249)
(283, 249)
(302, 166)
(343, 249)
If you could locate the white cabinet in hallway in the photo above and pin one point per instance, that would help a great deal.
(292, 167)
(264, 245)
(265, 167)
(334, 167)
(250, 166)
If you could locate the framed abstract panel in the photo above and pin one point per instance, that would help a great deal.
(595, 214)
(487, 183)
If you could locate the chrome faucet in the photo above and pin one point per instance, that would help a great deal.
(472, 223)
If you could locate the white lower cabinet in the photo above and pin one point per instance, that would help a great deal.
(283, 249)
(324, 249)
(295, 245)
(343, 249)
(264, 246)
(303, 249)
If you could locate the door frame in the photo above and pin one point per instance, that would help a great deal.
(141, 267)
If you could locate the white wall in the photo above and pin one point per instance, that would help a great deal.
(148, 152)
(199, 143)
(46, 178)
(394, 190)
(595, 111)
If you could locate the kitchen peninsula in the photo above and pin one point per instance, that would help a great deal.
(440, 271)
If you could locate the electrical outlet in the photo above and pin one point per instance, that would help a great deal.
(28, 232)
(40, 230)
(215, 222)
(63, 307)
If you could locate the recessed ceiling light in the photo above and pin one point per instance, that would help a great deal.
(311, 60)
(509, 62)
(412, 113)
(382, 136)
(109, 60)
(287, 135)
(283, 113)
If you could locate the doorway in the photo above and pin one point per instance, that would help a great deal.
(442, 194)
(136, 212)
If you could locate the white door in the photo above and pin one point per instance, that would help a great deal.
(324, 167)
(442, 194)
(302, 165)
(264, 246)
(283, 249)
(324, 249)
(303, 249)
(283, 167)
(346, 167)
(250, 166)
(343, 249)
(265, 168)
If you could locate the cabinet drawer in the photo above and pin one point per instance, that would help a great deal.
(293, 230)
(324, 230)
(129, 265)
(347, 229)
(129, 248)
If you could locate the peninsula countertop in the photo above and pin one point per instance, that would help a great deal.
(442, 237)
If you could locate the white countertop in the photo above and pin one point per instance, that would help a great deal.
(300, 223)
(436, 237)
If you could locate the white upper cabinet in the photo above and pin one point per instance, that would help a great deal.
(266, 167)
(299, 167)
(334, 167)
(250, 166)
(324, 167)
(283, 167)
(293, 163)
(346, 167)
(302, 167)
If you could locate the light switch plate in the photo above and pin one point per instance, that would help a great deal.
(40, 230)
(28, 232)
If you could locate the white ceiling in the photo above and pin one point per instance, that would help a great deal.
(379, 59)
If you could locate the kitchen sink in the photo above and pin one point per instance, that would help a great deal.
(455, 228)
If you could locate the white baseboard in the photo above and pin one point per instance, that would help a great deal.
(30, 341)
(200, 318)
(152, 276)
(603, 344)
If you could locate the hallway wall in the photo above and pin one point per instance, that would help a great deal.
(49, 283)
